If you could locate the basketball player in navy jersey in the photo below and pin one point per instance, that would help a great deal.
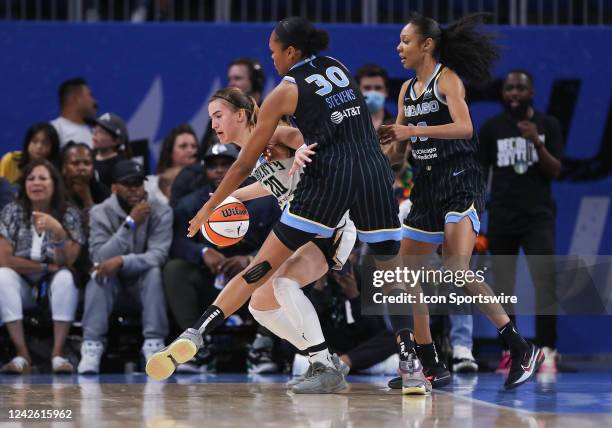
(349, 173)
(448, 196)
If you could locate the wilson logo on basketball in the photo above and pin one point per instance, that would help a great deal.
(228, 212)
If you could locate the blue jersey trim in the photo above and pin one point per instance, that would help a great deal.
(422, 235)
(305, 224)
(380, 235)
(455, 217)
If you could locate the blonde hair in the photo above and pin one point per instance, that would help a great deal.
(238, 100)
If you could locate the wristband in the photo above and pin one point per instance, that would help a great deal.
(130, 223)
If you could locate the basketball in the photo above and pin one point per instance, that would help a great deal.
(227, 224)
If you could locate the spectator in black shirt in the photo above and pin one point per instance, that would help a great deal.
(110, 142)
(524, 148)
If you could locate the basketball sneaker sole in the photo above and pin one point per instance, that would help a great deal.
(164, 362)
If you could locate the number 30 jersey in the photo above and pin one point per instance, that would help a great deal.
(331, 110)
(431, 109)
(275, 178)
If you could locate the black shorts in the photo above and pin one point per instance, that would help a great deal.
(444, 193)
(332, 185)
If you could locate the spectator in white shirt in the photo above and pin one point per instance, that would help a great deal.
(76, 105)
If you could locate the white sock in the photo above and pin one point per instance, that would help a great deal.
(323, 357)
(302, 315)
(277, 322)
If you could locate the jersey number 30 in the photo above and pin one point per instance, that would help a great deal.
(333, 73)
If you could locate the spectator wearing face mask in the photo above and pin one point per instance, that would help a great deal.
(374, 84)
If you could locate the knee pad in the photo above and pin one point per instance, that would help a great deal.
(285, 291)
(385, 248)
(291, 237)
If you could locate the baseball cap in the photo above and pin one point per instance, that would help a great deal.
(228, 150)
(111, 123)
(127, 169)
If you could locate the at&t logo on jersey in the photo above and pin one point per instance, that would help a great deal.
(420, 109)
(338, 116)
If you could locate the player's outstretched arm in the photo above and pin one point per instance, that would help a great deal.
(252, 191)
(281, 101)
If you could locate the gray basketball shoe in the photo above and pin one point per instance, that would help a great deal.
(413, 379)
(163, 363)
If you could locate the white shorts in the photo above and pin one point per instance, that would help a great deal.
(337, 248)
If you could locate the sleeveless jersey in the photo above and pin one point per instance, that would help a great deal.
(331, 110)
(274, 177)
(431, 109)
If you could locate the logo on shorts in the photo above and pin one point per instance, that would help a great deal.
(456, 173)
(336, 117)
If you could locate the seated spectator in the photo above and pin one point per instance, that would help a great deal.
(40, 142)
(179, 149)
(110, 142)
(85, 191)
(198, 270)
(189, 178)
(77, 105)
(373, 82)
(40, 238)
(78, 172)
(7, 192)
(128, 244)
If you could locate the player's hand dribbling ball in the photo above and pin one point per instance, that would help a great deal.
(227, 224)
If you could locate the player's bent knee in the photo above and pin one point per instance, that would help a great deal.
(287, 267)
(257, 272)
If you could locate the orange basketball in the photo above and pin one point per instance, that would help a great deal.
(227, 224)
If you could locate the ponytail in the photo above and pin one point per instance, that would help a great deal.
(470, 53)
(302, 35)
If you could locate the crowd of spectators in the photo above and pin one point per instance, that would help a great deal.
(85, 233)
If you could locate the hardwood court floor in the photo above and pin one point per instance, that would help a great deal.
(576, 400)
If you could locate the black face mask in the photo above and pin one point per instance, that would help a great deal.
(519, 112)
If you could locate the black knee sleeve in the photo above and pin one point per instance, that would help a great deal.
(291, 237)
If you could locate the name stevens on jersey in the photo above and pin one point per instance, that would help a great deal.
(420, 109)
(340, 98)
